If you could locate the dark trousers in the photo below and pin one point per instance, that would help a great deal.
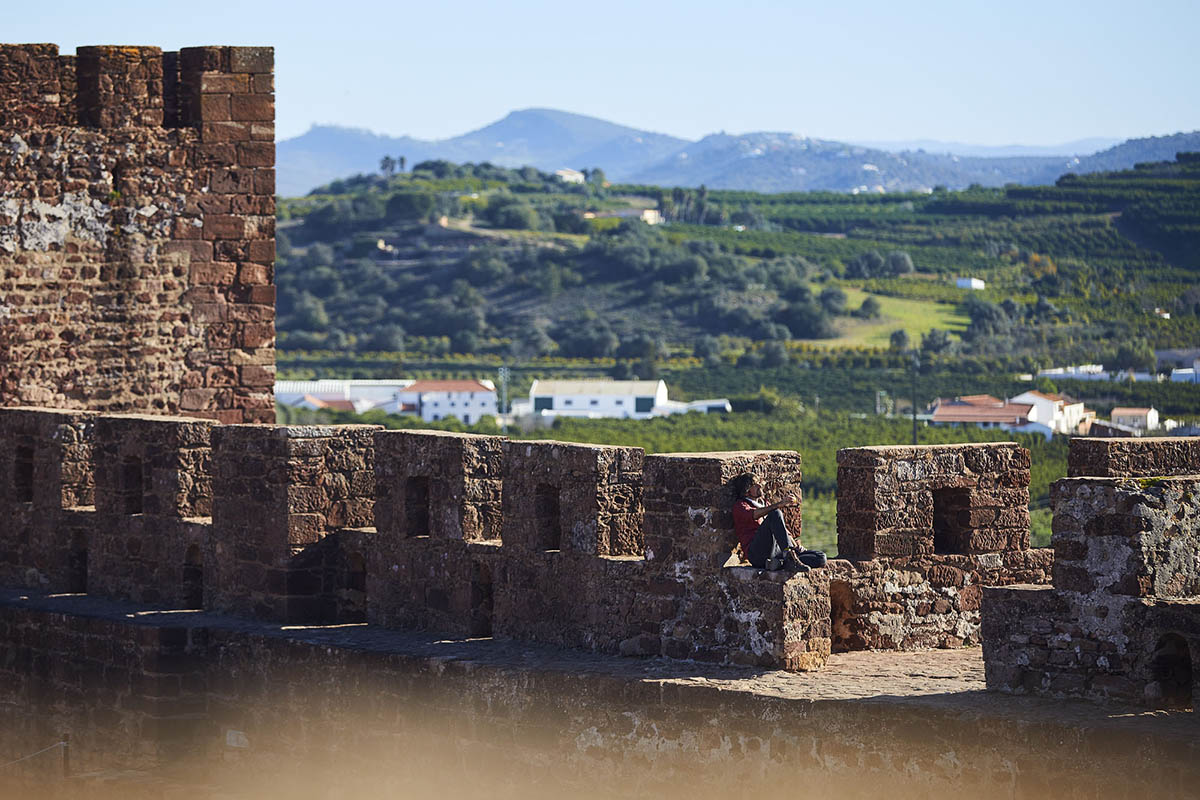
(773, 541)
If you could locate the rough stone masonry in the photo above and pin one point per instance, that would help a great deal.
(1122, 620)
(137, 230)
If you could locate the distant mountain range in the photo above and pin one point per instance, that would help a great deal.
(1079, 147)
(765, 162)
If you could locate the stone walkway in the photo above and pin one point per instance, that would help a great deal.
(948, 680)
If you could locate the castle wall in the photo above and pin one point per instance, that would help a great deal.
(919, 602)
(137, 230)
(202, 703)
(279, 494)
(1122, 620)
(1133, 457)
(921, 530)
(435, 552)
(470, 535)
(920, 500)
(45, 468)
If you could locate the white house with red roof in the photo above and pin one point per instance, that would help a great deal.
(432, 400)
(985, 411)
(1060, 412)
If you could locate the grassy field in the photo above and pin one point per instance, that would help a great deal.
(916, 317)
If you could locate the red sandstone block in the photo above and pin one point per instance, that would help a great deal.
(231, 250)
(264, 182)
(252, 59)
(221, 226)
(195, 250)
(261, 295)
(232, 416)
(214, 203)
(256, 154)
(210, 312)
(262, 83)
(215, 273)
(258, 334)
(223, 82)
(254, 274)
(235, 181)
(221, 376)
(253, 375)
(262, 131)
(262, 251)
(215, 107)
(908, 543)
(220, 156)
(186, 228)
(225, 132)
(196, 399)
(245, 312)
(252, 107)
(204, 59)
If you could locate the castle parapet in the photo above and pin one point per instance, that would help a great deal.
(120, 86)
(45, 468)
(689, 516)
(573, 497)
(1122, 619)
(433, 558)
(925, 499)
(278, 491)
(1133, 457)
(137, 228)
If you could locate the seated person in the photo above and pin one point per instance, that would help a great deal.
(761, 531)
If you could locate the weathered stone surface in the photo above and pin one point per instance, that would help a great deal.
(1140, 457)
(278, 495)
(119, 227)
(902, 501)
(923, 601)
(349, 711)
(1122, 620)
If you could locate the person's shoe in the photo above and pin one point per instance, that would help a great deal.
(795, 565)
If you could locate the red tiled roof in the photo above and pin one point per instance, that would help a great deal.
(1129, 412)
(445, 386)
(976, 400)
(1055, 397)
(1004, 413)
(336, 405)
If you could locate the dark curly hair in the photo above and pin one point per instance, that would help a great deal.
(740, 485)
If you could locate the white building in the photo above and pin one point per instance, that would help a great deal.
(1140, 419)
(650, 216)
(354, 395)
(1187, 374)
(608, 399)
(570, 175)
(1078, 372)
(432, 400)
(970, 283)
(1058, 412)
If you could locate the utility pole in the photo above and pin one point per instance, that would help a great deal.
(916, 365)
(503, 398)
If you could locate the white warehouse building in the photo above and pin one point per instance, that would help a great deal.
(598, 399)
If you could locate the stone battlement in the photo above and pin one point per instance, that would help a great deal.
(1122, 619)
(598, 547)
(137, 230)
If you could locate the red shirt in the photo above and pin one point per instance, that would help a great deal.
(744, 523)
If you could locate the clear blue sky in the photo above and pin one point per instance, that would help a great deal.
(979, 72)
